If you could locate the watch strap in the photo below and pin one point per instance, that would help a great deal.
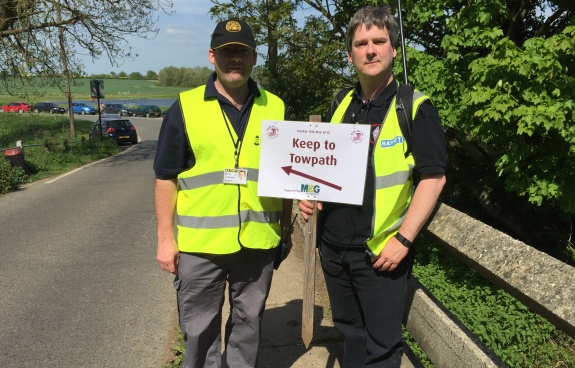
(403, 240)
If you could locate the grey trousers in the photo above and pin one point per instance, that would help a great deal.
(200, 285)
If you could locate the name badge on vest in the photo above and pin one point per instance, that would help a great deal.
(235, 176)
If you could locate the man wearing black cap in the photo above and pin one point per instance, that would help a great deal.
(225, 232)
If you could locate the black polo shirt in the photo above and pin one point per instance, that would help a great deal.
(174, 153)
(350, 225)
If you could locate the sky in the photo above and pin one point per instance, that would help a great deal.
(183, 41)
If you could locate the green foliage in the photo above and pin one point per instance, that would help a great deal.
(52, 157)
(136, 75)
(172, 76)
(519, 337)
(503, 83)
(10, 177)
(27, 127)
(417, 350)
(314, 46)
(521, 108)
(151, 75)
(177, 351)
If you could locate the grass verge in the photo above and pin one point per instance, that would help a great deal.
(80, 88)
(48, 148)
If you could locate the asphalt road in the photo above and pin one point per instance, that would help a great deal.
(79, 285)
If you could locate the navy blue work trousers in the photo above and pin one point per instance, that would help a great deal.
(367, 305)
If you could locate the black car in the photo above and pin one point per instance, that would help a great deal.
(147, 111)
(121, 130)
(114, 108)
(50, 107)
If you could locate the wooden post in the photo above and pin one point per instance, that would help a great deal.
(309, 271)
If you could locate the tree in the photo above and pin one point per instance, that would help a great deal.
(151, 75)
(501, 75)
(183, 77)
(195, 76)
(168, 76)
(135, 75)
(29, 35)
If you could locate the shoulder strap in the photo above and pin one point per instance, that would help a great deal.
(403, 105)
(404, 108)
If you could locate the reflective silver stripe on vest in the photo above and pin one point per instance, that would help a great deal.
(212, 178)
(219, 222)
(200, 181)
(397, 178)
(261, 217)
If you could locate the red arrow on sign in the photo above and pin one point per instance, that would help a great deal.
(288, 170)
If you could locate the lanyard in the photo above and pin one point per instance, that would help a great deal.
(237, 144)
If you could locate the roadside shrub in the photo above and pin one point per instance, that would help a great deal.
(10, 177)
(96, 148)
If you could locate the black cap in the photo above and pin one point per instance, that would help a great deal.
(229, 32)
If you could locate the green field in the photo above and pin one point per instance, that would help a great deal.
(80, 88)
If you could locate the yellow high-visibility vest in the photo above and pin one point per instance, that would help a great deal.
(393, 179)
(218, 218)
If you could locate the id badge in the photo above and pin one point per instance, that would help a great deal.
(235, 176)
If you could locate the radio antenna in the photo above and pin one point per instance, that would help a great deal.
(402, 38)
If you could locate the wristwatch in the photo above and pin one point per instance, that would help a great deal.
(403, 240)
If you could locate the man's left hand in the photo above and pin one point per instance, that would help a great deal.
(391, 256)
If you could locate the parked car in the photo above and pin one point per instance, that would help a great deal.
(82, 108)
(147, 111)
(114, 108)
(16, 107)
(50, 107)
(120, 130)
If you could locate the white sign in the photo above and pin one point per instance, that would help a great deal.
(314, 161)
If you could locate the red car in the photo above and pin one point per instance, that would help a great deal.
(16, 107)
